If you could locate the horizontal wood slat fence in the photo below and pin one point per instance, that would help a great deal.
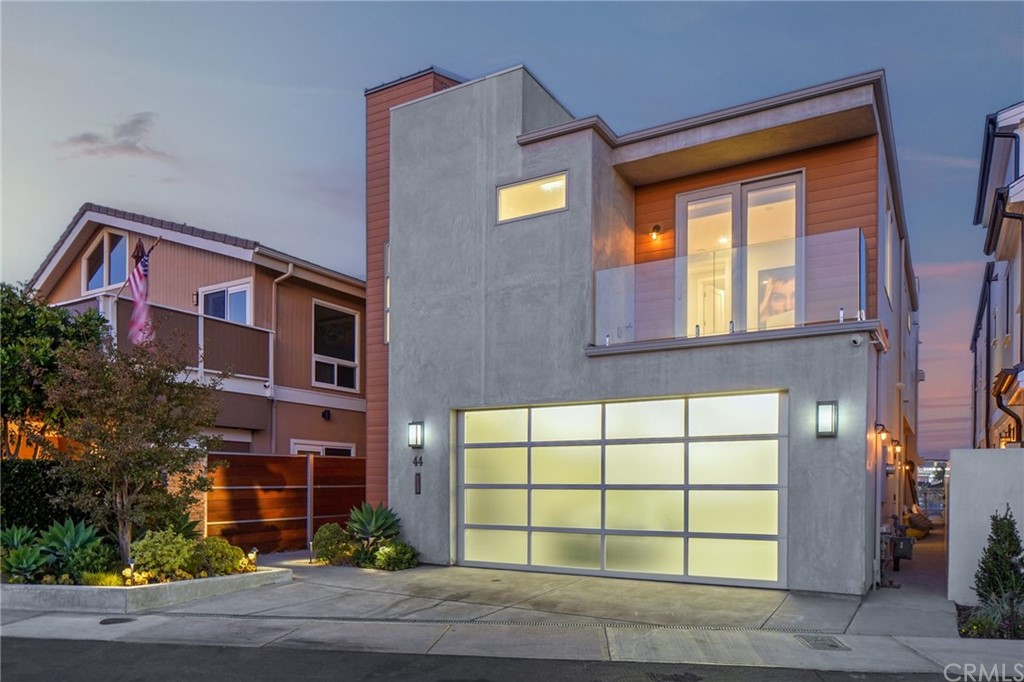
(276, 502)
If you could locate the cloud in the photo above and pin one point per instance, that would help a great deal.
(947, 161)
(127, 139)
(967, 268)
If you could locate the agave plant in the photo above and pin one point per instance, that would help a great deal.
(23, 564)
(185, 526)
(370, 525)
(62, 539)
(17, 536)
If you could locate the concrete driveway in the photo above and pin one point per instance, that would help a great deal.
(459, 594)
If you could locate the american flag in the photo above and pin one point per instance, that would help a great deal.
(139, 329)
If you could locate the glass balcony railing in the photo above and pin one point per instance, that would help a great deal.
(772, 285)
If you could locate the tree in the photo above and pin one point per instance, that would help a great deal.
(32, 335)
(999, 570)
(137, 419)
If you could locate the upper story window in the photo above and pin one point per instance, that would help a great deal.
(533, 197)
(335, 350)
(106, 262)
(231, 301)
(737, 248)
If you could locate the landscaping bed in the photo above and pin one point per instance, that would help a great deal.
(84, 598)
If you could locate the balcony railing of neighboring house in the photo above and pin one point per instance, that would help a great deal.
(206, 343)
(773, 285)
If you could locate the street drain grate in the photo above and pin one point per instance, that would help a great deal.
(116, 621)
(822, 643)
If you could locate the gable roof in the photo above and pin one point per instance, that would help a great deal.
(94, 215)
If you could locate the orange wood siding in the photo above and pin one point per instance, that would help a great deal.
(841, 192)
(378, 122)
(294, 355)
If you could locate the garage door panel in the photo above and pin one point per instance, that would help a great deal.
(566, 550)
(688, 489)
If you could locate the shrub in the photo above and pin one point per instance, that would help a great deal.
(163, 555)
(27, 488)
(369, 526)
(23, 564)
(99, 557)
(395, 555)
(999, 570)
(102, 579)
(61, 540)
(217, 556)
(332, 545)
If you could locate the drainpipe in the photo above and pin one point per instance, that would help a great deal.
(1010, 136)
(988, 362)
(1003, 382)
(273, 354)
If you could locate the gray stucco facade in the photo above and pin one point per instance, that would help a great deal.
(497, 315)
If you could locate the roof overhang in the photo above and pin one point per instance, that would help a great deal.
(89, 221)
(847, 109)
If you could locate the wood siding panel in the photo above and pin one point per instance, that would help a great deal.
(378, 122)
(294, 354)
(305, 422)
(840, 191)
(247, 505)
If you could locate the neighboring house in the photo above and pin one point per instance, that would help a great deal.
(284, 335)
(612, 354)
(998, 339)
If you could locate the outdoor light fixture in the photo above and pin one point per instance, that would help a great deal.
(828, 418)
(655, 233)
(882, 432)
(416, 434)
(252, 556)
(897, 446)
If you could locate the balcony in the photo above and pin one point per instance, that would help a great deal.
(776, 285)
(206, 343)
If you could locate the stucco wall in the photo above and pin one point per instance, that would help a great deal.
(981, 483)
(497, 315)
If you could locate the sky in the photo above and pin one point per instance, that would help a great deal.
(248, 117)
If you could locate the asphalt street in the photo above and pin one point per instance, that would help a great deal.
(31, 660)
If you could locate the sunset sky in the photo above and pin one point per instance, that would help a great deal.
(247, 117)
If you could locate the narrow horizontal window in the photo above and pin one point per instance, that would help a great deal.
(532, 197)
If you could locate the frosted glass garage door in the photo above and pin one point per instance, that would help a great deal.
(687, 489)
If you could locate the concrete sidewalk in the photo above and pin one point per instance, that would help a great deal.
(478, 612)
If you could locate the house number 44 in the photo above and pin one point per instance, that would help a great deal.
(417, 461)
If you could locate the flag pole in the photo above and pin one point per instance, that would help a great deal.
(125, 283)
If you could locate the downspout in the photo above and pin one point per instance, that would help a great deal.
(1010, 136)
(1013, 415)
(273, 355)
(988, 362)
(1003, 381)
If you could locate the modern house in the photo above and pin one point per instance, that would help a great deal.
(284, 335)
(998, 339)
(686, 353)
(989, 478)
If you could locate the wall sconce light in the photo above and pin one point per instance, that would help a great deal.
(828, 418)
(195, 299)
(326, 415)
(655, 233)
(897, 446)
(883, 433)
(416, 435)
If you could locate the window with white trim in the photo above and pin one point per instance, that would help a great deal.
(322, 448)
(335, 347)
(105, 264)
(231, 301)
(532, 197)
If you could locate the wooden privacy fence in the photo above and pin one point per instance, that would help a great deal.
(276, 502)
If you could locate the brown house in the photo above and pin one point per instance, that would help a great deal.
(285, 335)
